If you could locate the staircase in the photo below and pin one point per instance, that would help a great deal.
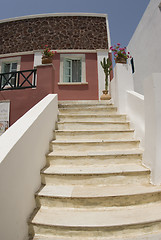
(94, 186)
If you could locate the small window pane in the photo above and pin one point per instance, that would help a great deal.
(76, 71)
(14, 67)
(6, 67)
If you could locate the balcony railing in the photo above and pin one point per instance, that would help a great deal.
(18, 80)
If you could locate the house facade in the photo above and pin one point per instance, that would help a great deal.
(80, 40)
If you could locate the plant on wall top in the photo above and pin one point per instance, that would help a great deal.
(47, 52)
(120, 52)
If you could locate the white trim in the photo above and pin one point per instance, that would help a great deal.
(53, 15)
(16, 54)
(74, 56)
(108, 34)
(73, 83)
(58, 51)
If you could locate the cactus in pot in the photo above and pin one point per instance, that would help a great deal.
(106, 65)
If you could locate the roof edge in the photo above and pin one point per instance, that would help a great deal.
(53, 15)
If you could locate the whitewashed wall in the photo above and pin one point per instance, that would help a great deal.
(144, 113)
(145, 45)
(153, 125)
(136, 114)
(22, 155)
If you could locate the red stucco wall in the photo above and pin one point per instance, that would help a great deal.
(78, 92)
(22, 100)
(47, 82)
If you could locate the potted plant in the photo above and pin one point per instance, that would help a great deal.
(120, 55)
(106, 65)
(47, 55)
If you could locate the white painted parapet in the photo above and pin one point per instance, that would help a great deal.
(135, 112)
(101, 75)
(22, 155)
(152, 91)
(122, 82)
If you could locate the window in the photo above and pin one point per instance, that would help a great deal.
(159, 6)
(72, 69)
(132, 65)
(7, 66)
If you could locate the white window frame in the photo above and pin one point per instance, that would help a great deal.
(83, 68)
(10, 60)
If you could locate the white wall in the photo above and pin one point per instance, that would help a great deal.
(136, 114)
(121, 83)
(22, 155)
(145, 45)
(153, 125)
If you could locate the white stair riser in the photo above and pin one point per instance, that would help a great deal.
(89, 118)
(83, 105)
(101, 160)
(94, 202)
(90, 135)
(96, 179)
(107, 111)
(98, 146)
(92, 126)
(96, 232)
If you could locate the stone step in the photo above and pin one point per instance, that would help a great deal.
(137, 236)
(87, 110)
(95, 174)
(97, 197)
(93, 134)
(110, 222)
(83, 103)
(89, 117)
(90, 145)
(101, 158)
(93, 125)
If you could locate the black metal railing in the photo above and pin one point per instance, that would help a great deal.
(18, 80)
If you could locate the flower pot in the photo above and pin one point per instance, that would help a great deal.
(105, 95)
(46, 60)
(121, 60)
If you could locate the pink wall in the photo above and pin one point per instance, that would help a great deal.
(22, 100)
(47, 82)
(78, 92)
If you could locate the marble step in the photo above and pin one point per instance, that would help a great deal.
(89, 117)
(101, 158)
(94, 125)
(88, 110)
(91, 145)
(95, 174)
(137, 236)
(109, 222)
(95, 197)
(73, 103)
(93, 134)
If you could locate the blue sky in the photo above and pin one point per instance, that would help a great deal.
(123, 15)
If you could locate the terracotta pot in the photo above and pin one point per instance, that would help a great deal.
(46, 60)
(105, 95)
(121, 60)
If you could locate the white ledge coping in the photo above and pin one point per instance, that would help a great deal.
(58, 51)
(136, 94)
(54, 15)
(74, 83)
